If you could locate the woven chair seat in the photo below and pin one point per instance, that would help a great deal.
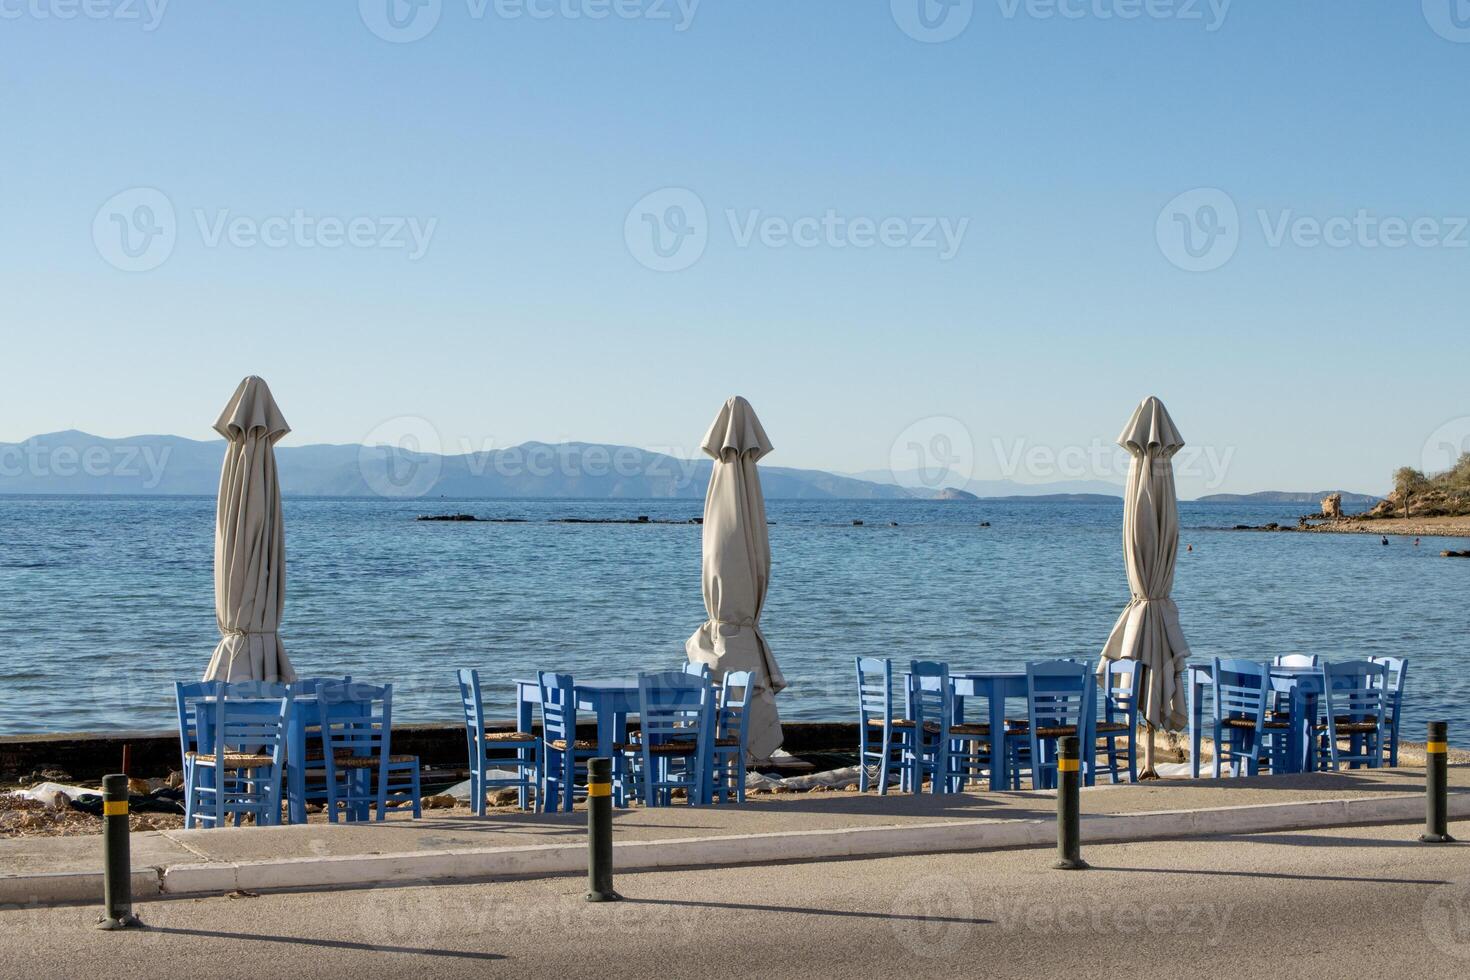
(1109, 727)
(904, 723)
(346, 761)
(509, 737)
(581, 745)
(1346, 726)
(1273, 726)
(969, 729)
(235, 760)
(663, 748)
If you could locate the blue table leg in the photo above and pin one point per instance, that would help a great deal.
(296, 766)
(999, 763)
(1196, 722)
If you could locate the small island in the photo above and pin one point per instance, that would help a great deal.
(954, 493)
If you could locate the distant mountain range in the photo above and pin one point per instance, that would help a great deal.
(1288, 497)
(77, 462)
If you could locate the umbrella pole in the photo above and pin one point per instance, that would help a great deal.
(1149, 772)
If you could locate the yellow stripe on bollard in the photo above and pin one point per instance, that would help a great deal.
(115, 808)
(1068, 765)
(1437, 748)
(599, 789)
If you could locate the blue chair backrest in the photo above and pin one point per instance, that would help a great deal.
(1122, 684)
(735, 695)
(1357, 690)
(929, 694)
(187, 696)
(697, 670)
(1059, 692)
(473, 707)
(673, 705)
(247, 716)
(357, 719)
(875, 690)
(558, 706)
(1397, 670)
(1242, 688)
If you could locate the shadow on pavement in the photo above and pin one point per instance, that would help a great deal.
(328, 943)
(799, 910)
(1273, 875)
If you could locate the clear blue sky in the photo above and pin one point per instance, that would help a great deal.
(527, 140)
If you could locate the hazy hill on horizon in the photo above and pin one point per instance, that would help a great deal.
(77, 462)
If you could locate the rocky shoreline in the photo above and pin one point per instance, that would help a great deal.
(1414, 527)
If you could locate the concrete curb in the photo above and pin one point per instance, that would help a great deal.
(541, 860)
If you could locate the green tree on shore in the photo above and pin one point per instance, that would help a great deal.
(1407, 482)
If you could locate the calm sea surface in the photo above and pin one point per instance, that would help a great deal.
(105, 601)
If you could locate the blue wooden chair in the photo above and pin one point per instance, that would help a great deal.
(1357, 702)
(732, 735)
(187, 699)
(931, 708)
(697, 670)
(517, 752)
(236, 771)
(1244, 731)
(357, 743)
(304, 691)
(1059, 702)
(1122, 686)
(883, 738)
(1398, 672)
(563, 756)
(676, 727)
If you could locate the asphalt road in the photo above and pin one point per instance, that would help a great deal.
(1364, 902)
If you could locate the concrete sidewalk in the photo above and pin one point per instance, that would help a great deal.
(811, 826)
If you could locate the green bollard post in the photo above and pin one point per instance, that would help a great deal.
(599, 832)
(1436, 788)
(117, 866)
(1069, 820)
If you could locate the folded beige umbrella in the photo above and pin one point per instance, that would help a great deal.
(1148, 631)
(737, 569)
(250, 542)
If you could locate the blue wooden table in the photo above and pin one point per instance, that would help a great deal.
(1303, 685)
(996, 687)
(305, 713)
